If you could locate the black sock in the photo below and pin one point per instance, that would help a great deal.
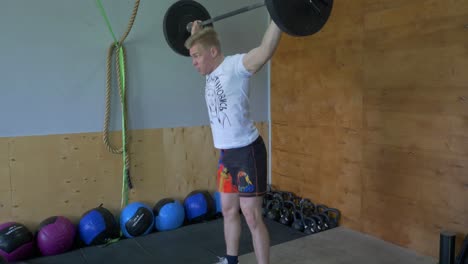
(231, 259)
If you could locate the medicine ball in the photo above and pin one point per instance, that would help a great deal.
(136, 219)
(98, 226)
(16, 242)
(199, 206)
(168, 214)
(56, 235)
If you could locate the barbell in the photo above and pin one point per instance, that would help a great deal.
(295, 17)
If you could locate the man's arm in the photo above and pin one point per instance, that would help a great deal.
(256, 58)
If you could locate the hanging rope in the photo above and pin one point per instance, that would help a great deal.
(119, 50)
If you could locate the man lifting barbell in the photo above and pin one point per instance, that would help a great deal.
(242, 171)
(242, 168)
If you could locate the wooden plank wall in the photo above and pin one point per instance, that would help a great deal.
(42, 176)
(415, 151)
(317, 114)
(371, 116)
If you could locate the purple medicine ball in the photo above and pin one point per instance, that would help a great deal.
(56, 235)
(16, 242)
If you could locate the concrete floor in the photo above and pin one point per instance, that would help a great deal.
(339, 245)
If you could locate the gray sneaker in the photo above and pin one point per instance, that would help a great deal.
(222, 260)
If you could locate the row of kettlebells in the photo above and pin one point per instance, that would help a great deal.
(299, 213)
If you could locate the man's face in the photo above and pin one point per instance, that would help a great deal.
(202, 58)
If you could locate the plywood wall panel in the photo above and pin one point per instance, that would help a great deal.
(5, 182)
(321, 163)
(55, 175)
(148, 166)
(431, 100)
(195, 165)
(374, 107)
(317, 113)
(70, 174)
(4, 164)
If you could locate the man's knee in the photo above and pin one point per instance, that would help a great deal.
(252, 214)
(230, 205)
(252, 219)
(230, 211)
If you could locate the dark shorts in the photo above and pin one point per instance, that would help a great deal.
(243, 170)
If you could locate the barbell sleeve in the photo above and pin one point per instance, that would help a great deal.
(230, 14)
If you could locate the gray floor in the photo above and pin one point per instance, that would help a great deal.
(339, 245)
(202, 243)
(194, 244)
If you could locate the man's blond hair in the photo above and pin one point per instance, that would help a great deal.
(207, 37)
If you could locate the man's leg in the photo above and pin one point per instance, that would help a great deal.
(252, 211)
(232, 222)
(230, 208)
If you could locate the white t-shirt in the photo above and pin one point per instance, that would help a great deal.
(226, 95)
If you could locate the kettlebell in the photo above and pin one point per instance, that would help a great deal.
(310, 226)
(270, 196)
(273, 209)
(307, 207)
(320, 208)
(298, 223)
(334, 216)
(325, 221)
(286, 213)
(297, 201)
(278, 196)
(318, 220)
(266, 198)
(288, 196)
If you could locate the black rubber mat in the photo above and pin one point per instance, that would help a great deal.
(213, 237)
(176, 246)
(72, 257)
(198, 243)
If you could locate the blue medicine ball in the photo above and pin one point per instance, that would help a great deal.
(168, 214)
(199, 206)
(217, 198)
(136, 219)
(98, 226)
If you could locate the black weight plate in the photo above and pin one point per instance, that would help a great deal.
(300, 17)
(175, 23)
